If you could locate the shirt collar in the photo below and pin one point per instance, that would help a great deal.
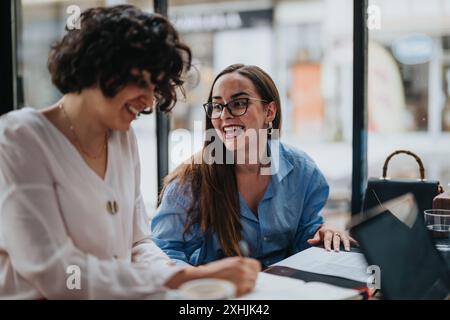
(281, 166)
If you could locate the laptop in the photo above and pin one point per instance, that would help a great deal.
(393, 236)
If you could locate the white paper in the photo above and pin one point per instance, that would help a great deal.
(350, 265)
(272, 287)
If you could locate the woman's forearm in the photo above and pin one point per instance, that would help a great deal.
(186, 274)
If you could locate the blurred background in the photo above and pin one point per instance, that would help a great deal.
(306, 46)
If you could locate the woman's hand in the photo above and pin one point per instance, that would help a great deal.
(328, 235)
(241, 271)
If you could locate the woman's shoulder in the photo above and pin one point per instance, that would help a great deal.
(23, 141)
(298, 158)
(179, 187)
(303, 166)
(20, 117)
(20, 125)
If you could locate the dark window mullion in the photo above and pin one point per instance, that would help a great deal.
(162, 121)
(8, 92)
(360, 54)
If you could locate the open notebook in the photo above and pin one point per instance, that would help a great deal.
(341, 265)
(273, 287)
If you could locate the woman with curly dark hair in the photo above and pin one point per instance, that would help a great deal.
(72, 218)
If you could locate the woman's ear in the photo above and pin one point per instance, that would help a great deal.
(271, 112)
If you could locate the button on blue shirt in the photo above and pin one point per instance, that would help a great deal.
(288, 215)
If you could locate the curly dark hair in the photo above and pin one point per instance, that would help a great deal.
(113, 41)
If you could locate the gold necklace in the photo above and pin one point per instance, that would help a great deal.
(77, 140)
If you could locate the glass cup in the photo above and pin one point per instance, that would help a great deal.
(438, 223)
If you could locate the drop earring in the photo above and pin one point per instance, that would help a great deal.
(270, 129)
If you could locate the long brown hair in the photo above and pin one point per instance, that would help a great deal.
(214, 186)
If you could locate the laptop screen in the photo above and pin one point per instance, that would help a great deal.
(396, 240)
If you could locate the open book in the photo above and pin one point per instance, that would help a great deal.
(348, 265)
(273, 287)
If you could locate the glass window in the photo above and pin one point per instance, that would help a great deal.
(408, 95)
(306, 46)
(43, 22)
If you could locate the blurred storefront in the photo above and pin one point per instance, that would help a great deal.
(408, 87)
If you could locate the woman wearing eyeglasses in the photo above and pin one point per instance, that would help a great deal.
(73, 224)
(242, 189)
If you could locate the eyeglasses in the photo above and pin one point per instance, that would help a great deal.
(236, 108)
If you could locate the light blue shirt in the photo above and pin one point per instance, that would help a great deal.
(288, 215)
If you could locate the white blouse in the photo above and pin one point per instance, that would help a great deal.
(59, 219)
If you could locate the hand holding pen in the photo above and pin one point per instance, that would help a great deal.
(241, 270)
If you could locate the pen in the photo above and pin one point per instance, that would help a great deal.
(243, 246)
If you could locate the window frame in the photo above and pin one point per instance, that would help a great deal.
(10, 12)
(11, 88)
(360, 114)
